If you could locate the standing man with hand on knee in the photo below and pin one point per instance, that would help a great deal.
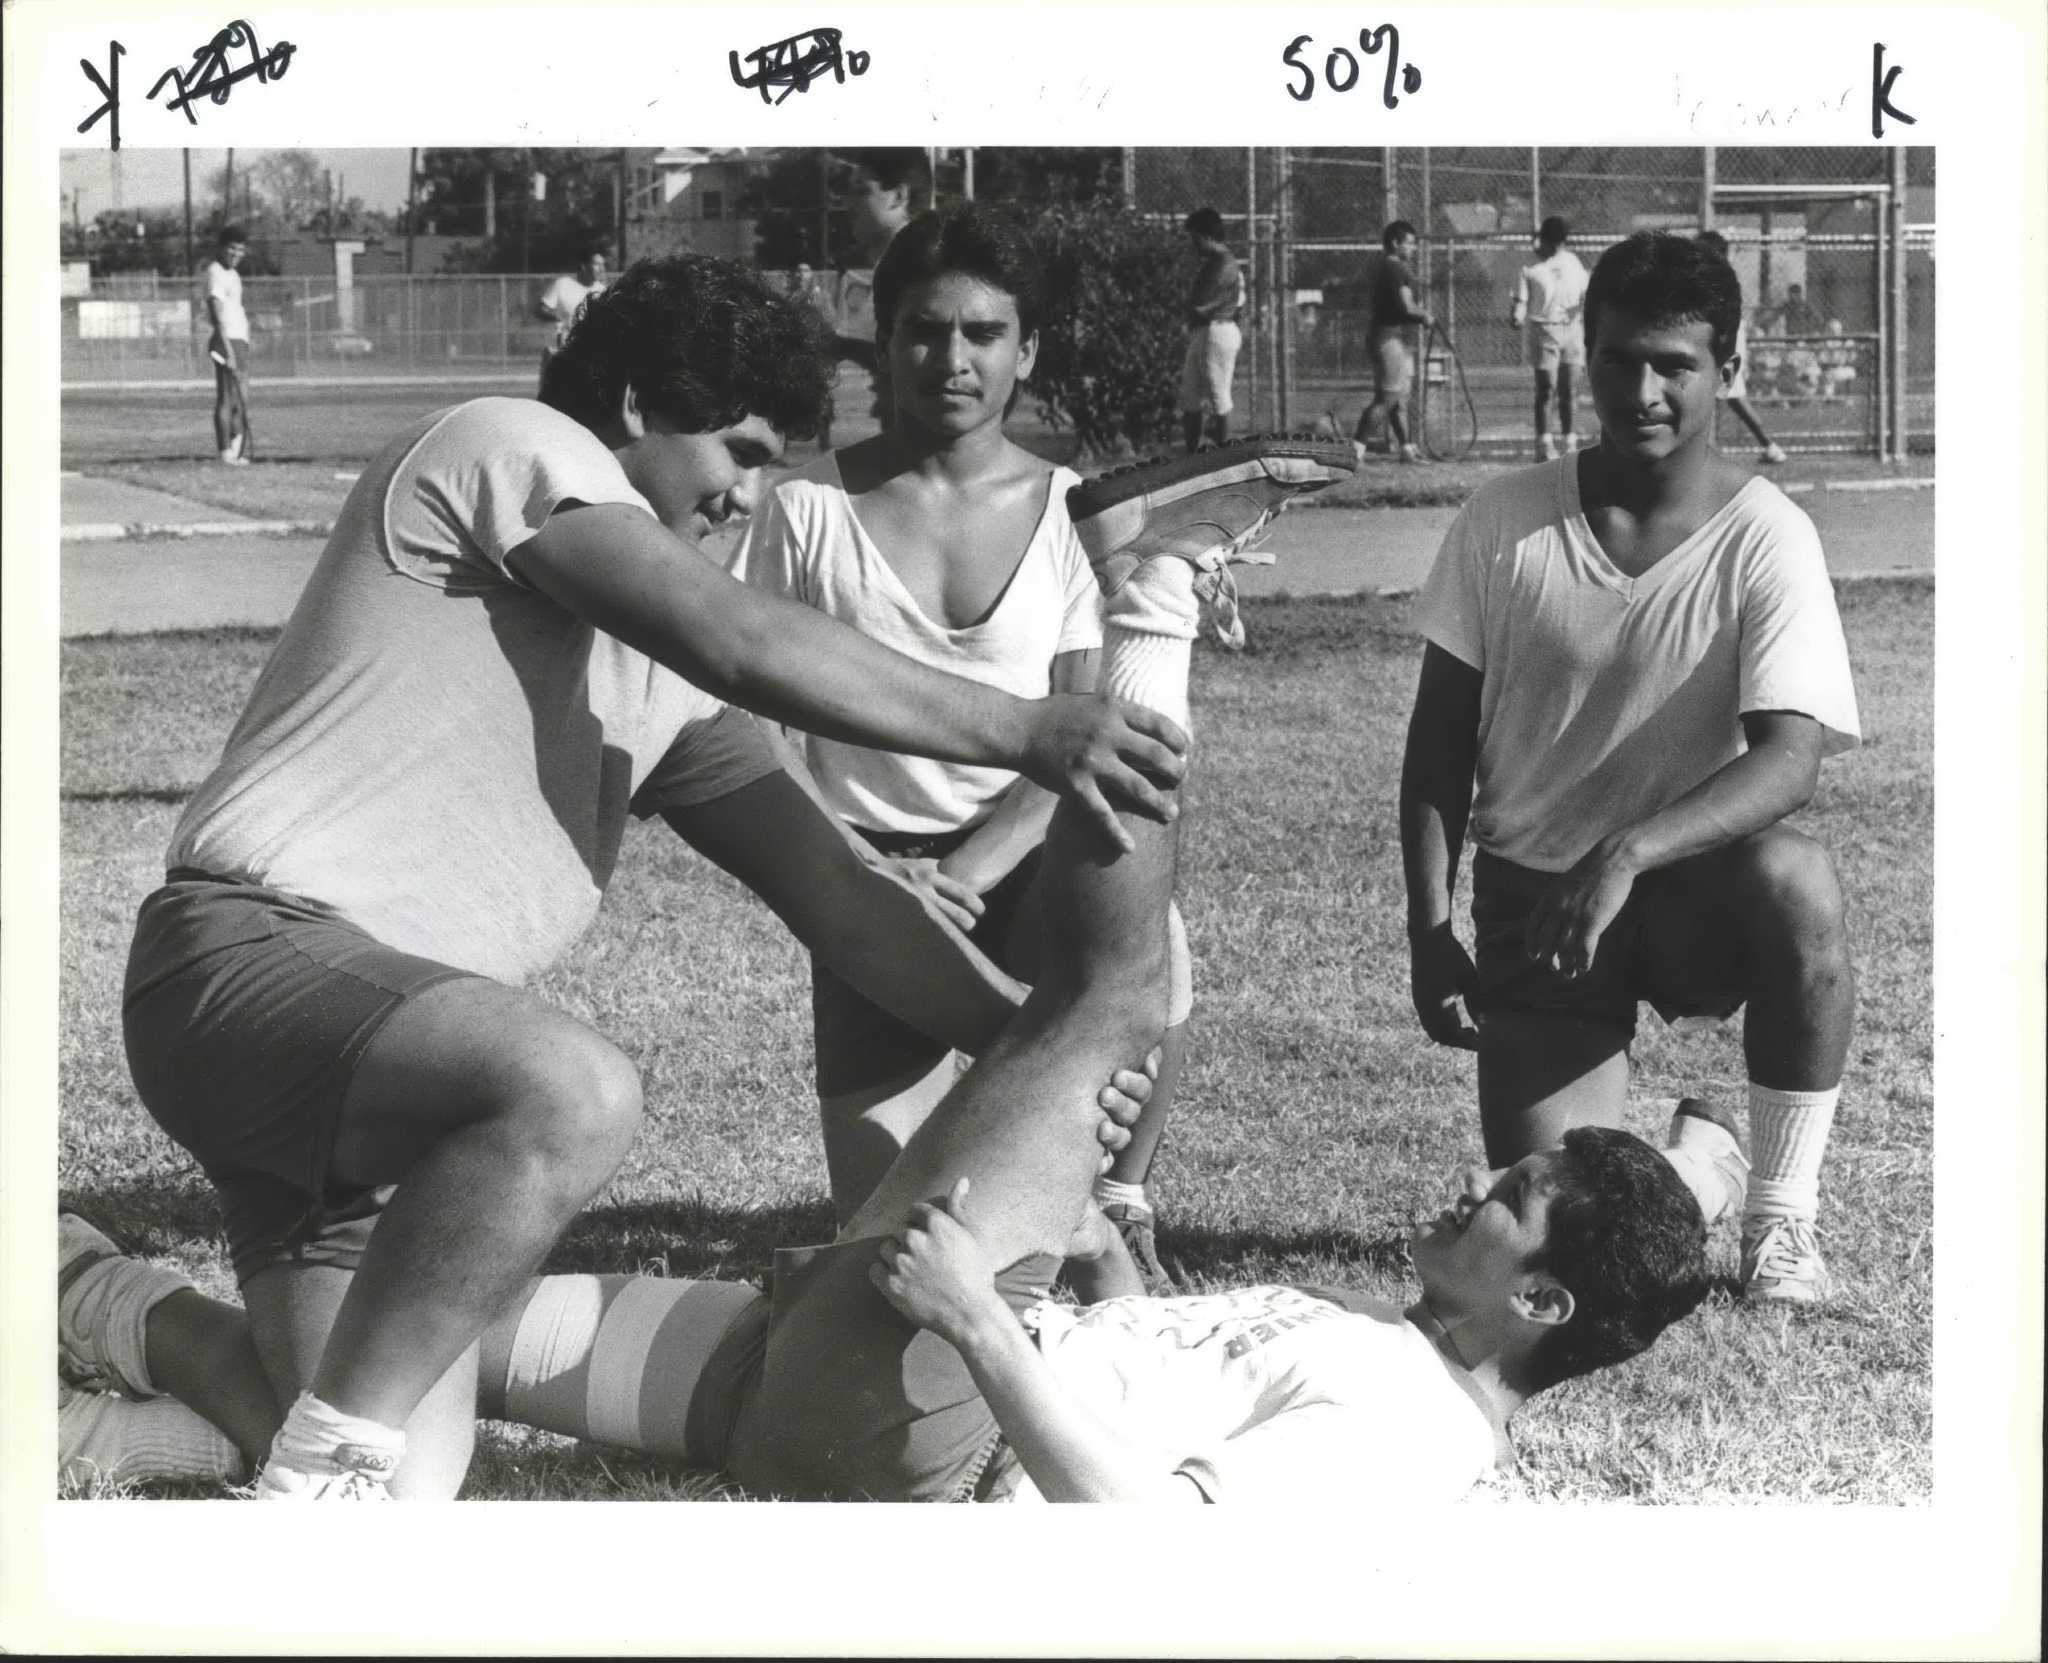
(1634, 668)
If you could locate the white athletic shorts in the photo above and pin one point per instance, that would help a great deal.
(1211, 361)
(1551, 344)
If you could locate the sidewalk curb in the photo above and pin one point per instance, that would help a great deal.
(110, 532)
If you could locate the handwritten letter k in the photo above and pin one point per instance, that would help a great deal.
(1881, 104)
(111, 109)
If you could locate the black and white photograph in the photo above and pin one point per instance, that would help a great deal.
(585, 952)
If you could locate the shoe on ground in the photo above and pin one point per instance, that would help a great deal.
(1546, 449)
(1209, 509)
(1413, 453)
(1137, 1226)
(1706, 1132)
(353, 1472)
(1781, 1261)
(1772, 453)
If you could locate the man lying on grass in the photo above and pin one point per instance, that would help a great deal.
(919, 1357)
(511, 642)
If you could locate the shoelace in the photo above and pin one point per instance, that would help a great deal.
(1216, 588)
(1787, 1251)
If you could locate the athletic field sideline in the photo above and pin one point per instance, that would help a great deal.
(1315, 1117)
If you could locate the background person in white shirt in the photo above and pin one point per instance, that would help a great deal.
(1550, 295)
(227, 343)
(564, 297)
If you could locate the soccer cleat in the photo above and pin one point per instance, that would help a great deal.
(1546, 449)
(1413, 453)
(1781, 1261)
(1210, 509)
(1136, 1226)
(1772, 453)
(1705, 1134)
(352, 1472)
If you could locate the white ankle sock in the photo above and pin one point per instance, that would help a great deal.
(1788, 1135)
(127, 1442)
(1109, 1192)
(314, 1431)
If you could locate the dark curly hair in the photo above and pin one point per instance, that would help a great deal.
(1664, 278)
(972, 240)
(1627, 1239)
(702, 342)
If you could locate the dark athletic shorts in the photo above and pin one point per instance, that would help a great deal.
(820, 1391)
(859, 1045)
(1623, 971)
(245, 1012)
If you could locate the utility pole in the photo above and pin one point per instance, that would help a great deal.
(412, 203)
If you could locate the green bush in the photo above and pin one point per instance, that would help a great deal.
(1111, 345)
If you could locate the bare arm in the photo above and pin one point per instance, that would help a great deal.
(1774, 777)
(1018, 825)
(867, 926)
(616, 568)
(1436, 801)
(935, 1273)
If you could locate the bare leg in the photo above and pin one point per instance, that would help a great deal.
(1748, 418)
(1020, 1124)
(1566, 394)
(1541, 1075)
(1543, 393)
(200, 1352)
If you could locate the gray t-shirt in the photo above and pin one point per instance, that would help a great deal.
(439, 752)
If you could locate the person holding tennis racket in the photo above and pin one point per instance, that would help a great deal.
(220, 291)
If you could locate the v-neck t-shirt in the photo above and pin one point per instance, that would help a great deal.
(807, 543)
(1604, 697)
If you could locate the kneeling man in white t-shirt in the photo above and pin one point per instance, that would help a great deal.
(1634, 668)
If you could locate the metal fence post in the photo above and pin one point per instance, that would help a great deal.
(1283, 259)
(1707, 191)
(1897, 344)
(1251, 227)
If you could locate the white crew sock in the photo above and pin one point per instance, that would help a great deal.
(1788, 1135)
(1109, 1192)
(1148, 631)
(100, 1434)
(315, 1432)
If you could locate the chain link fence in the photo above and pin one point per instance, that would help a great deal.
(142, 329)
(1835, 248)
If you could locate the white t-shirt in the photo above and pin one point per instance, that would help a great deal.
(1552, 290)
(561, 298)
(223, 285)
(807, 543)
(1272, 1395)
(1604, 697)
(443, 755)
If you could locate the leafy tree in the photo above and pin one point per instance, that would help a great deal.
(1111, 345)
(575, 210)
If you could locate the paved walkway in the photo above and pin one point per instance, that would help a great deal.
(209, 568)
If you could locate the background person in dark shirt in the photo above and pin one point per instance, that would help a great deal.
(1214, 300)
(1394, 312)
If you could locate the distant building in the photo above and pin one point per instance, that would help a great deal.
(685, 199)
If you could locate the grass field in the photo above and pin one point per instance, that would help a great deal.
(1315, 1120)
